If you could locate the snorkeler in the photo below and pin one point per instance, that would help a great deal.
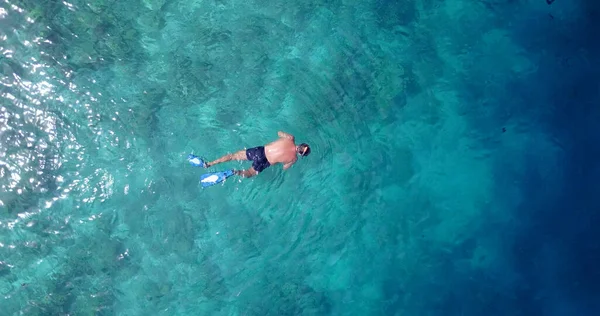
(282, 150)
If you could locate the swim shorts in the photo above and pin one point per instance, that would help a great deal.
(258, 157)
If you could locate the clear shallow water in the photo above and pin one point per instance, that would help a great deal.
(413, 202)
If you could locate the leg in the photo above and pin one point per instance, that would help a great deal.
(240, 155)
(250, 172)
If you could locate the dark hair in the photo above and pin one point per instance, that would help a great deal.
(306, 151)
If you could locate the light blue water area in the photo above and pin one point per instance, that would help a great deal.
(454, 154)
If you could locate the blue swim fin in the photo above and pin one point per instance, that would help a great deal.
(196, 161)
(213, 178)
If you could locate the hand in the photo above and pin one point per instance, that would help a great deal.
(285, 135)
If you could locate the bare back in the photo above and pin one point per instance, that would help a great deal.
(283, 150)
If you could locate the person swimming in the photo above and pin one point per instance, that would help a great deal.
(282, 150)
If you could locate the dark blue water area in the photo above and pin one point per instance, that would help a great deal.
(554, 244)
(557, 243)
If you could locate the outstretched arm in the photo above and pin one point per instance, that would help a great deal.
(285, 135)
(289, 164)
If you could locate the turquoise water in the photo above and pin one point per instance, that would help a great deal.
(438, 150)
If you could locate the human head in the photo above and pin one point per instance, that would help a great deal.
(303, 149)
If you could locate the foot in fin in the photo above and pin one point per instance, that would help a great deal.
(196, 161)
(213, 178)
